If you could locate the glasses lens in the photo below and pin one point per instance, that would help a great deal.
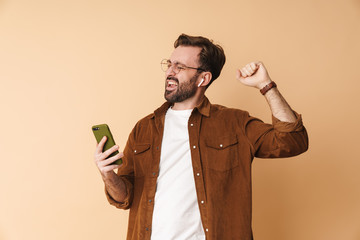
(165, 64)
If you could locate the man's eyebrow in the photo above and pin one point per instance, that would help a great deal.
(178, 63)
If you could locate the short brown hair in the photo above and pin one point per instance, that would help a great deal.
(211, 57)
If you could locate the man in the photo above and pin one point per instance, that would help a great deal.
(187, 166)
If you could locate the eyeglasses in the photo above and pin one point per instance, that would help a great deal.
(176, 67)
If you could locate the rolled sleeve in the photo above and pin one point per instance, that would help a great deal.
(288, 126)
(277, 140)
(127, 202)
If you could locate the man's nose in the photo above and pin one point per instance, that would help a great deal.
(170, 71)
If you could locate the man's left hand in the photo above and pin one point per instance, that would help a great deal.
(253, 74)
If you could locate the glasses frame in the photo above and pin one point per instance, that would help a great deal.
(176, 67)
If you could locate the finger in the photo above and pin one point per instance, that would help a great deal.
(249, 69)
(253, 66)
(111, 160)
(100, 146)
(109, 168)
(108, 152)
(245, 72)
(259, 63)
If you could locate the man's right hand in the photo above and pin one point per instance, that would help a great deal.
(102, 162)
(113, 183)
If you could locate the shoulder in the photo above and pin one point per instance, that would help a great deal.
(218, 110)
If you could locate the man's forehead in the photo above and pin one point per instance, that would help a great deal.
(185, 55)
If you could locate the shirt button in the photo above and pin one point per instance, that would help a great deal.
(147, 229)
(154, 173)
(134, 151)
(207, 229)
(221, 145)
(198, 174)
(202, 202)
(150, 201)
(191, 124)
(157, 148)
(194, 146)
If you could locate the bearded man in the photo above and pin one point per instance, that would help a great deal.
(186, 171)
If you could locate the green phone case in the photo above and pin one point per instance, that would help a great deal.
(102, 130)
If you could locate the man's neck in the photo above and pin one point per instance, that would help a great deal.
(190, 103)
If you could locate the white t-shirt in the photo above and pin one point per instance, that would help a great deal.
(176, 212)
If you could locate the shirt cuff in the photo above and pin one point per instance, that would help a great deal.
(126, 203)
(288, 126)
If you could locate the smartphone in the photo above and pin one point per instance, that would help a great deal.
(103, 130)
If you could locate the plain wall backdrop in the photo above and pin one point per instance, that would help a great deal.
(66, 65)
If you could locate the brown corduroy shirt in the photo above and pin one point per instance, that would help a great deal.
(223, 143)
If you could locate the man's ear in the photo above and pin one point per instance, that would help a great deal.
(205, 79)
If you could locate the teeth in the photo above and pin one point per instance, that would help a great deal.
(171, 83)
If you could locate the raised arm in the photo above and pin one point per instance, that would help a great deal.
(255, 75)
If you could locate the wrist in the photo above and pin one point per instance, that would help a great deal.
(264, 83)
(267, 87)
(109, 176)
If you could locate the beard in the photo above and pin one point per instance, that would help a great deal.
(183, 91)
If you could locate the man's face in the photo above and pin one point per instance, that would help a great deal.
(182, 85)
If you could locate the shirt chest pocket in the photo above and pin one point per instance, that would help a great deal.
(142, 159)
(222, 153)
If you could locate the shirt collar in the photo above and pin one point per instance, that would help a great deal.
(203, 108)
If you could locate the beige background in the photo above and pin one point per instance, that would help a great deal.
(68, 64)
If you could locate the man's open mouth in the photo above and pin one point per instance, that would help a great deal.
(171, 85)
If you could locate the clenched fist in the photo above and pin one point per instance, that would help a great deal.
(253, 74)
